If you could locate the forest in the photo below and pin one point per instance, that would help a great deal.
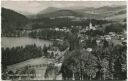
(19, 54)
(105, 62)
(115, 27)
(63, 22)
(48, 34)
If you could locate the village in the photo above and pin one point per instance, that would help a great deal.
(56, 57)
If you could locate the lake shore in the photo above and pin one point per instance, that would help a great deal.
(23, 41)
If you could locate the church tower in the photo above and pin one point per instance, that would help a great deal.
(90, 25)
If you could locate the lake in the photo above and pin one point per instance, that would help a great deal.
(22, 41)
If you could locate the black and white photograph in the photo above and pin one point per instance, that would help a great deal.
(63, 40)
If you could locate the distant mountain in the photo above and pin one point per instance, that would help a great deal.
(60, 13)
(108, 8)
(12, 20)
(49, 10)
(121, 12)
(120, 17)
(88, 12)
(56, 12)
(104, 12)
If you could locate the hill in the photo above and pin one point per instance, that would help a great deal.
(103, 12)
(89, 12)
(12, 20)
(49, 10)
(60, 13)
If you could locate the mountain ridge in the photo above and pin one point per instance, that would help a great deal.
(89, 11)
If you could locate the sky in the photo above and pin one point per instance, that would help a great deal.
(37, 6)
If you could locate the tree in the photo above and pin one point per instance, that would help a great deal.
(115, 27)
(79, 64)
(73, 41)
(45, 51)
(120, 72)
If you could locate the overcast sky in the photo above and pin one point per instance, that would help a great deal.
(36, 6)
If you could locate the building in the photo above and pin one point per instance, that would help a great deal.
(54, 51)
(90, 27)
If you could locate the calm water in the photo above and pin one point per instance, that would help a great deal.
(22, 41)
